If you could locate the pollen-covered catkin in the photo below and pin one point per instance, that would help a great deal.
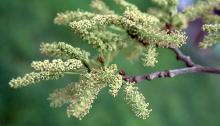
(114, 80)
(137, 101)
(200, 9)
(212, 37)
(64, 51)
(150, 56)
(34, 77)
(100, 7)
(57, 65)
(65, 95)
(66, 17)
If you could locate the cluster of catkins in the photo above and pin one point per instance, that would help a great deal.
(110, 33)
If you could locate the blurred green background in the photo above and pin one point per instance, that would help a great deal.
(186, 100)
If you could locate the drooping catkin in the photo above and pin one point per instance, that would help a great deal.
(137, 101)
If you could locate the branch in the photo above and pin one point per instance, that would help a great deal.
(180, 56)
(191, 67)
(171, 73)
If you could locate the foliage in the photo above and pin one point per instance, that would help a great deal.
(110, 33)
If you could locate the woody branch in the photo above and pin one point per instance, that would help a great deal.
(191, 67)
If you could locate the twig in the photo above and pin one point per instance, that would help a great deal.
(180, 56)
(191, 67)
(172, 73)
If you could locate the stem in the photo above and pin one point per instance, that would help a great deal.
(180, 56)
(191, 67)
(172, 73)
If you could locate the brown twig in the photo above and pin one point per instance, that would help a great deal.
(172, 73)
(180, 56)
(191, 67)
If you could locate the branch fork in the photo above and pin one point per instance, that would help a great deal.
(191, 67)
